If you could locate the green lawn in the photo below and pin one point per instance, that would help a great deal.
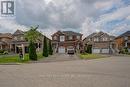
(15, 58)
(91, 56)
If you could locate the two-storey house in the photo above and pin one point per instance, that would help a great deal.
(99, 42)
(20, 42)
(62, 41)
(5, 39)
(123, 41)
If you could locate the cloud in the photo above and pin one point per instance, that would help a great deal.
(102, 5)
(86, 16)
(107, 5)
(120, 29)
(119, 14)
(10, 26)
(89, 26)
(128, 18)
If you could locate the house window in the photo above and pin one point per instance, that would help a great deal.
(62, 38)
(96, 39)
(126, 38)
(105, 39)
(70, 37)
(89, 39)
(111, 38)
(55, 37)
(78, 37)
(15, 38)
(21, 38)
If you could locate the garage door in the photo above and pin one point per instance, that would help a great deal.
(96, 51)
(105, 51)
(61, 50)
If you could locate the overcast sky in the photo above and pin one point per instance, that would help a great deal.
(85, 16)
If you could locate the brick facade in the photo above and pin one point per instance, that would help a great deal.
(70, 40)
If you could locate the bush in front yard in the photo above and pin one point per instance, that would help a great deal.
(45, 48)
(6, 52)
(50, 48)
(1, 51)
(32, 51)
(124, 51)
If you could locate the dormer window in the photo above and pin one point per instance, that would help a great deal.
(96, 39)
(111, 39)
(105, 39)
(89, 39)
(22, 38)
(55, 37)
(78, 37)
(70, 37)
(126, 38)
(62, 38)
(15, 38)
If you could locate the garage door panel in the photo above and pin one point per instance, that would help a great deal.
(96, 50)
(105, 51)
(61, 50)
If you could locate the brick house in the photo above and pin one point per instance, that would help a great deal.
(16, 41)
(5, 40)
(19, 41)
(100, 43)
(64, 40)
(123, 41)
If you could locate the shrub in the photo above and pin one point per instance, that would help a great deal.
(50, 48)
(5, 52)
(126, 50)
(1, 51)
(45, 48)
(32, 51)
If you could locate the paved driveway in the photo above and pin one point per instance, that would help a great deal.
(107, 72)
(59, 58)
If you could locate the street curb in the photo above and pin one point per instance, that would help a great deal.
(11, 63)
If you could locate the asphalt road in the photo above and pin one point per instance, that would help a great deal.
(106, 72)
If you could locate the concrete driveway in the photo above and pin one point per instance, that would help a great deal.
(106, 72)
(59, 58)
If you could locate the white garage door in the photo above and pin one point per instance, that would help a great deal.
(129, 50)
(61, 50)
(96, 51)
(105, 51)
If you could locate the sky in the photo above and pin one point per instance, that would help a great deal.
(84, 16)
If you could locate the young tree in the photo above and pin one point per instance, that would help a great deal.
(50, 48)
(32, 51)
(32, 35)
(45, 48)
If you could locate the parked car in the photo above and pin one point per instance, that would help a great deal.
(71, 51)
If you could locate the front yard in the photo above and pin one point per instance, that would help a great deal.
(16, 59)
(91, 56)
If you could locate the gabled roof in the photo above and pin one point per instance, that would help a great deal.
(7, 35)
(18, 32)
(98, 34)
(89, 36)
(71, 33)
(124, 34)
(67, 33)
